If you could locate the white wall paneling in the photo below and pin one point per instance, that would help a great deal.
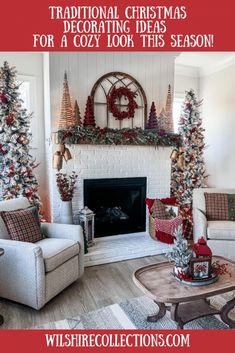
(218, 110)
(154, 71)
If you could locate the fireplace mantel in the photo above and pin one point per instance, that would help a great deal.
(107, 136)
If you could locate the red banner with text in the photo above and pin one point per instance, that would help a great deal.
(135, 25)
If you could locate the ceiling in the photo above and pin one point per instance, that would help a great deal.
(200, 59)
(205, 61)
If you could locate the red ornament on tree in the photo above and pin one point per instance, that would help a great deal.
(152, 121)
(188, 106)
(10, 119)
(11, 171)
(29, 193)
(2, 150)
(3, 98)
(89, 119)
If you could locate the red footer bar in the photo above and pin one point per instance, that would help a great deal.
(35, 341)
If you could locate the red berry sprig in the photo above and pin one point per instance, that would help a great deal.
(220, 269)
(66, 185)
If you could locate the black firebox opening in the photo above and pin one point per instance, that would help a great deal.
(118, 203)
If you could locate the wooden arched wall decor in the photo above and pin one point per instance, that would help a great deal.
(101, 91)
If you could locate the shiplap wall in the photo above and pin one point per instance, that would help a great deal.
(154, 71)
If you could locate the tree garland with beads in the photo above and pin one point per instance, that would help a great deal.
(118, 93)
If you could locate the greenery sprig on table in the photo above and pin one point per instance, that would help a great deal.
(107, 136)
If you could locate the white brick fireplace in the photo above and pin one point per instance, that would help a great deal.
(96, 162)
(154, 71)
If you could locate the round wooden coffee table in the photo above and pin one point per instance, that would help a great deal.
(1, 317)
(187, 302)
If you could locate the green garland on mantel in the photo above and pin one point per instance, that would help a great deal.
(106, 136)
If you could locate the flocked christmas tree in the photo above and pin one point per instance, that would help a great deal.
(188, 169)
(76, 117)
(180, 253)
(17, 166)
(152, 120)
(89, 119)
(66, 118)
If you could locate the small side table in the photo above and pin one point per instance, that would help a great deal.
(1, 317)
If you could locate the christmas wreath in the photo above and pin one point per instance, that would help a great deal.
(118, 93)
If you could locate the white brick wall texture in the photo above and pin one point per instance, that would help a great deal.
(94, 162)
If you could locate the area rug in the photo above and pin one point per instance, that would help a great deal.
(130, 314)
(123, 247)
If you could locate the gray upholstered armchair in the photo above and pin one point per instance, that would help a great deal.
(220, 234)
(33, 273)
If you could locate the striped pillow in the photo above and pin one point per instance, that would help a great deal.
(23, 225)
(168, 226)
(220, 207)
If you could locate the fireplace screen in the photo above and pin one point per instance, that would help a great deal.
(119, 204)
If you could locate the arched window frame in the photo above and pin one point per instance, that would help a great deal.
(116, 78)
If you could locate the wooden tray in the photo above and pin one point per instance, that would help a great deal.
(198, 282)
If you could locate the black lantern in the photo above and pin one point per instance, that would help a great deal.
(86, 219)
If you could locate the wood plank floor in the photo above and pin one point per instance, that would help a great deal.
(100, 286)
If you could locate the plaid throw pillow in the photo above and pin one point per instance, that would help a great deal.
(220, 207)
(22, 225)
(158, 210)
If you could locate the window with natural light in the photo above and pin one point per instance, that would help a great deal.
(24, 90)
(27, 89)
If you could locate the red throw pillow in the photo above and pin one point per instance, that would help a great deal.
(22, 225)
(168, 201)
